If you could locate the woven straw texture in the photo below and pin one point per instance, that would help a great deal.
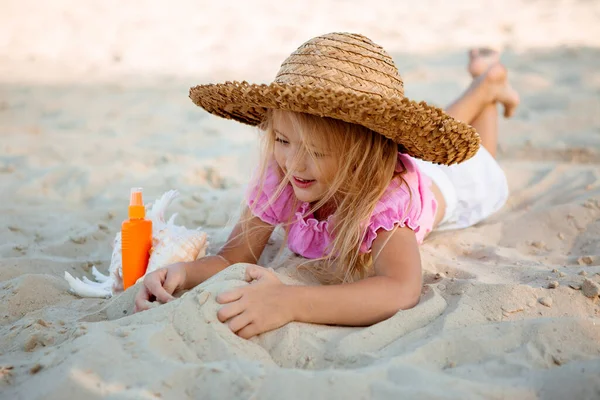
(347, 77)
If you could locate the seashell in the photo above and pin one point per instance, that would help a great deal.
(170, 244)
(175, 244)
(115, 271)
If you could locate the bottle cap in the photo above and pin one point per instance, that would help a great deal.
(136, 204)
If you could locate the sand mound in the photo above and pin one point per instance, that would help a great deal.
(94, 101)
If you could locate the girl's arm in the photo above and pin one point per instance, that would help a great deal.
(241, 247)
(396, 285)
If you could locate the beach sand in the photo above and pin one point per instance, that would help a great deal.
(93, 101)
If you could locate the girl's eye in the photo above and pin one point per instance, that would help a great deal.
(319, 155)
(282, 141)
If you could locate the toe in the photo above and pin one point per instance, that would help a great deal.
(481, 59)
(511, 103)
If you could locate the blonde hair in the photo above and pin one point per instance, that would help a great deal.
(366, 164)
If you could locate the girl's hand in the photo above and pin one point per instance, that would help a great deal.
(262, 306)
(160, 285)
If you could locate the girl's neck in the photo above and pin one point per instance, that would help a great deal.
(325, 211)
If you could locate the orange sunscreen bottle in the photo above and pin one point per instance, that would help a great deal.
(136, 236)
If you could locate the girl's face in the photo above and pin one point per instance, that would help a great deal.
(311, 165)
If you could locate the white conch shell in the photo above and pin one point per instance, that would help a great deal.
(176, 244)
(170, 244)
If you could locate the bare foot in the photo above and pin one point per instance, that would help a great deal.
(486, 61)
(495, 76)
(481, 59)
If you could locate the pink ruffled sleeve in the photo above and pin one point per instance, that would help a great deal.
(409, 204)
(261, 200)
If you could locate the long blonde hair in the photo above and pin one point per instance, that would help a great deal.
(366, 166)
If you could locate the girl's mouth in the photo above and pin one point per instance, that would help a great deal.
(302, 183)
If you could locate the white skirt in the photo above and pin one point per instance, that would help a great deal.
(473, 190)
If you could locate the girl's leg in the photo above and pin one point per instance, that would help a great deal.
(486, 124)
(477, 105)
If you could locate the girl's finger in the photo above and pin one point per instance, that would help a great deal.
(254, 272)
(228, 297)
(238, 322)
(230, 310)
(248, 331)
(170, 285)
(155, 287)
(141, 298)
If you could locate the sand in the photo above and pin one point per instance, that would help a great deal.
(93, 100)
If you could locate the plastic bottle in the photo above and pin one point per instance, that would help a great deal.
(136, 235)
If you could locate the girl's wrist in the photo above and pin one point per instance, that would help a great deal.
(187, 273)
(291, 300)
(199, 270)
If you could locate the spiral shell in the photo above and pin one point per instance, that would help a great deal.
(115, 270)
(170, 244)
(175, 244)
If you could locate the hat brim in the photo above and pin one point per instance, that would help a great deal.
(425, 131)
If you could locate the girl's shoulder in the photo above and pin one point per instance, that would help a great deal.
(408, 182)
(409, 169)
(407, 201)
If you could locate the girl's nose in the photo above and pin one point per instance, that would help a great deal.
(296, 162)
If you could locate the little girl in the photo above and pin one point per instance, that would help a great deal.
(357, 174)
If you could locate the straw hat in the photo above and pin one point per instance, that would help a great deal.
(347, 77)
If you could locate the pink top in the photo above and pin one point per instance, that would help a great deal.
(309, 237)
